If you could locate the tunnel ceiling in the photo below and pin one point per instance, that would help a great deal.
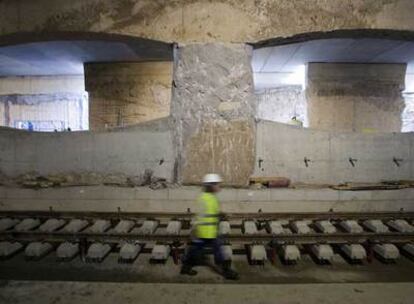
(67, 57)
(277, 66)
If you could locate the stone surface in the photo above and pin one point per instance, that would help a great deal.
(7, 223)
(123, 94)
(355, 97)
(149, 227)
(290, 253)
(160, 252)
(354, 251)
(51, 225)
(249, 227)
(124, 226)
(376, 226)
(9, 248)
(27, 224)
(322, 252)
(301, 227)
(98, 251)
(37, 249)
(174, 227)
(129, 251)
(386, 251)
(214, 138)
(75, 225)
(224, 228)
(100, 226)
(67, 250)
(351, 226)
(258, 253)
(325, 227)
(281, 104)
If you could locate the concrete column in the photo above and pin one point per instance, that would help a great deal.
(355, 97)
(213, 111)
(122, 94)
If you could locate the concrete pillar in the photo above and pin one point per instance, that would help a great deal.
(122, 94)
(355, 97)
(213, 111)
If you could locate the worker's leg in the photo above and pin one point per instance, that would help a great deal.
(226, 265)
(194, 251)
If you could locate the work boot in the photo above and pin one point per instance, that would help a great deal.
(186, 269)
(230, 274)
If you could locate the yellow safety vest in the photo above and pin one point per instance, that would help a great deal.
(208, 216)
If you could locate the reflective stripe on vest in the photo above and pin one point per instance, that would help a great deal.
(207, 220)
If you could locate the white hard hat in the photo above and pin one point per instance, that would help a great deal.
(212, 178)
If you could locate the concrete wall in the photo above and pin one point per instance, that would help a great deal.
(205, 21)
(123, 94)
(143, 199)
(32, 85)
(129, 151)
(355, 97)
(281, 104)
(283, 149)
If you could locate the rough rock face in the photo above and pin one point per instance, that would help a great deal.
(213, 108)
(205, 21)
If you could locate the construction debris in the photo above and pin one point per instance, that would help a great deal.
(270, 182)
(371, 186)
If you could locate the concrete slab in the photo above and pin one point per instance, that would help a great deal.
(67, 250)
(75, 225)
(376, 226)
(224, 228)
(409, 248)
(100, 226)
(7, 249)
(227, 252)
(386, 251)
(174, 227)
(290, 253)
(275, 227)
(160, 253)
(51, 225)
(148, 227)
(354, 251)
(325, 227)
(37, 250)
(129, 251)
(351, 226)
(323, 252)
(27, 224)
(124, 226)
(249, 227)
(97, 252)
(301, 227)
(258, 254)
(401, 226)
(8, 223)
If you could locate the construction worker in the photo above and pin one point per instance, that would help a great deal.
(206, 229)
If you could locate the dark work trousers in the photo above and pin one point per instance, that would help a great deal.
(197, 248)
